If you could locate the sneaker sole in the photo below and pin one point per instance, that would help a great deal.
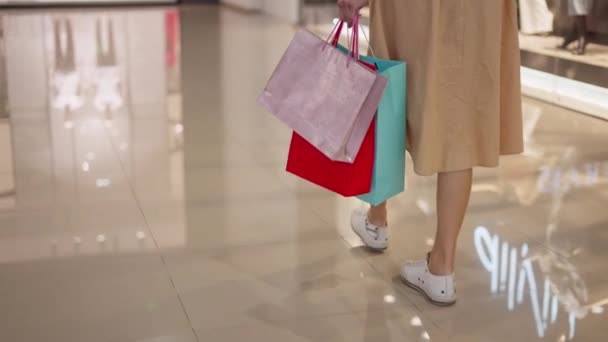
(425, 295)
(373, 249)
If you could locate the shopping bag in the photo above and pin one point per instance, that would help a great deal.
(322, 93)
(388, 177)
(346, 179)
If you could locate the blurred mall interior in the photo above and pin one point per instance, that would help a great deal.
(143, 195)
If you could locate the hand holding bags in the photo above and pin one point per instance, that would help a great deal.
(325, 95)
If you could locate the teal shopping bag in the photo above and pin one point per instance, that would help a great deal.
(389, 164)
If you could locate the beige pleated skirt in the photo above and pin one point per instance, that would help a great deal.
(464, 94)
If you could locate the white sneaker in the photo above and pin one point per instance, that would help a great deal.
(438, 290)
(374, 237)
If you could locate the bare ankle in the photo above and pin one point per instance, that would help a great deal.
(439, 264)
(377, 217)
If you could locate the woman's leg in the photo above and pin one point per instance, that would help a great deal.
(569, 38)
(581, 28)
(453, 192)
(378, 215)
(371, 227)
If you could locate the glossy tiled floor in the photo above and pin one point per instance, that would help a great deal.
(155, 208)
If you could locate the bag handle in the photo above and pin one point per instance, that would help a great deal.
(334, 36)
(353, 42)
(369, 44)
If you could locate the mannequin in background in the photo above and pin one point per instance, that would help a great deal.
(579, 9)
(536, 18)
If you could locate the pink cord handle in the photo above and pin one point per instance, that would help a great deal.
(334, 36)
(338, 34)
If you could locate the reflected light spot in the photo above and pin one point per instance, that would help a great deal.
(389, 299)
(424, 206)
(416, 321)
(140, 235)
(597, 309)
(425, 336)
(77, 240)
(103, 182)
(361, 275)
(101, 238)
(430, 242)
(85, 166)
(68, 124)
(179, 128)
(562, 338)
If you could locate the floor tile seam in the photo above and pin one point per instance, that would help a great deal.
(151, 232)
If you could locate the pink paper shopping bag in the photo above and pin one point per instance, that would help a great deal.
(326, 96)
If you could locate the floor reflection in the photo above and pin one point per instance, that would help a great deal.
(546, 273)
(515, 271)
(85, 102)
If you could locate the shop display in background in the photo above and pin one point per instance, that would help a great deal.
(535, 17)
(32, 3)
(572, 26)
(580, 10)
(173, 50)
(174, 81)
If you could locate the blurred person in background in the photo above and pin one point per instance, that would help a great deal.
(580, 10)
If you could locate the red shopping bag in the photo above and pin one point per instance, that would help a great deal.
(346, 179)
